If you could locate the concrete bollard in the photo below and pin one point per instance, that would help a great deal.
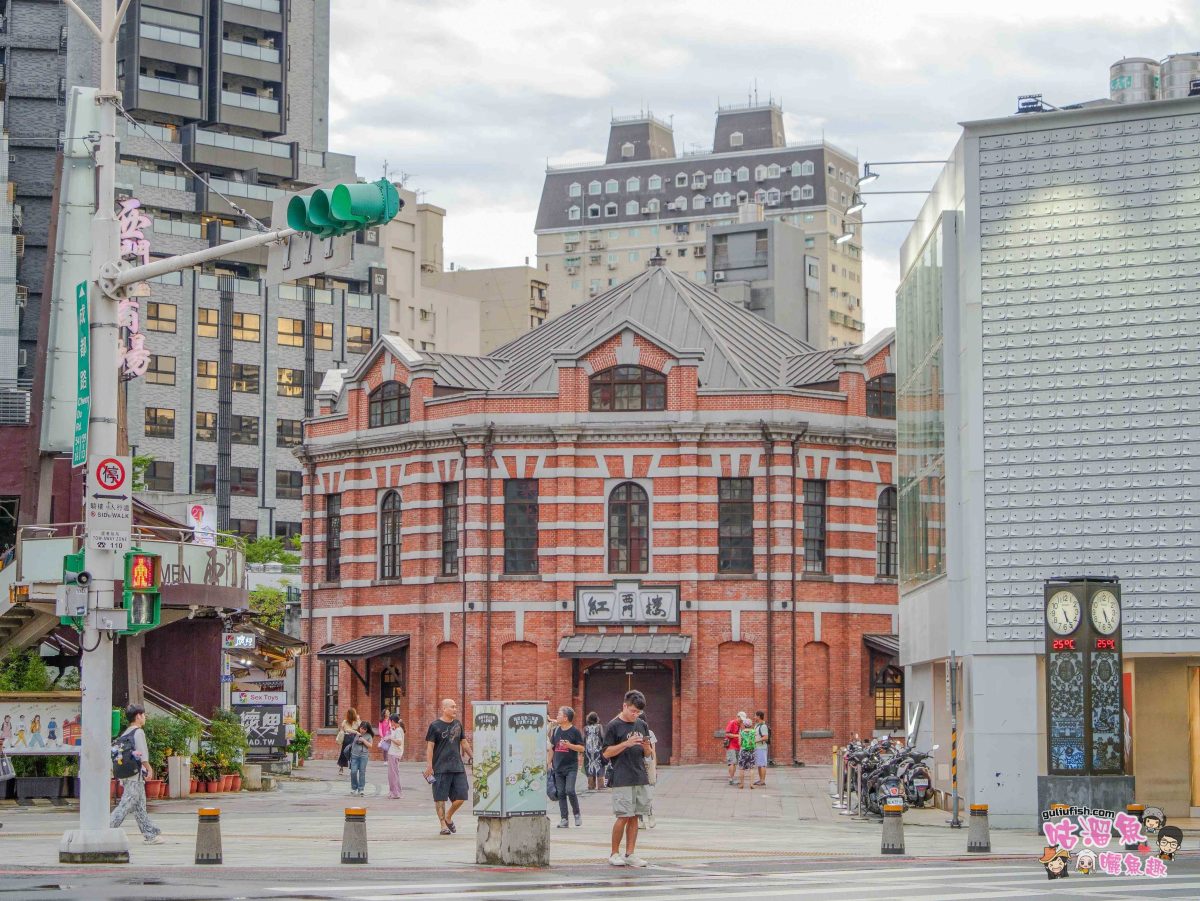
(1135, 810)
(208, 836)
(979, 839)
(893, 829)
(354, 836)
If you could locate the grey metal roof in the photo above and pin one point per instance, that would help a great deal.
(365, 646)
(463, 371)
(626, 646)
(812, 368)
(887, 644)
(740, 349)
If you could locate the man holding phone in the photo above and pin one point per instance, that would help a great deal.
(627, 745)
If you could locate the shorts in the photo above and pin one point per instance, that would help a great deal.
(731, 756)
(760, 756)
(450, 786)
(631, 800)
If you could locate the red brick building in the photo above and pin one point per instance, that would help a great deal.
(657, 489)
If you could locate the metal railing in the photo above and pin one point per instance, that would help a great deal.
(250, 101)
(251, 51)
(166, 86)
(15, 401)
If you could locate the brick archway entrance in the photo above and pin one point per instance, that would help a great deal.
(605, 684)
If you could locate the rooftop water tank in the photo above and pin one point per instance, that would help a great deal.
(1134, 79)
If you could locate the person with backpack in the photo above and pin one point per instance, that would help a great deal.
(131, 756)
(762, 738)
(747, 741)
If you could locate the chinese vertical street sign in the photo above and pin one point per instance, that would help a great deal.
(132, 356)
(83, 381)
(109, 503)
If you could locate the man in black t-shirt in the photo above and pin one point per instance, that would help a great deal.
(446, 747)
(627, 745)
(566, 744)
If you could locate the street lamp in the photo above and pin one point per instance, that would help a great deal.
(858, 206)
(869, 175)
(844, 237)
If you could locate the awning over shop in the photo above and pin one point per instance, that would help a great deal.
(884, 644)
(626, 646)
(364, 648)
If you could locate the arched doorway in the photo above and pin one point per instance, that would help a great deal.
(605, 684)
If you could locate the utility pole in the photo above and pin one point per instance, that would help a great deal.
(94, 841)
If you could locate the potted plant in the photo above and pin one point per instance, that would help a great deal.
(300, 747)
(228, 742)
(235, 778)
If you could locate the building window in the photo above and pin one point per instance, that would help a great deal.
(633, 185)
(389, 536)
(743, 174)
(206, 426)
(291, 332)
(594, 188)
(160, 317)
(593, 211)
(742, 197)
(652, 205)
(323, 337)
(206, 322)
(388, 405)
(735, 525)
(573, 213)
(698, 202)
(627, 151)
(243, 481)
(161, 370)
(736, 139)
(289, 382)
(610, 209)
(160, 476)
(286, 529)
(576, 189)
(814, 526)
(806, 192)
(288, 433)
(611, 186)
(247, 327)
(889, 699)
(681, 179)
(160, 422)
(332, 707)
(808, 168)
(245, 430)
(773, 196)
(628, 388)
(288, 484)
(246, 528)
(520, 525)
(885, 534)
(245, 378)
(450, 528)
(628, 529)
(654, 183)
(632, 208)
(359, 339)
(206, 478)
(333, 537)
(881, 396)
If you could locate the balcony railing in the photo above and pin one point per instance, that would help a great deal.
(14, 401)
(251, 51)
(241, 189)
(271, 6)
(166, 86)
(248, 145)
(169, 35)
(240, 285)
(250, 101)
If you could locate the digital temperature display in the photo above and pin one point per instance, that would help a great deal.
(1106, 644)
(1064, 644)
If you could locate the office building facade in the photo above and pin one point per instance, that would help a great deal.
(598, 224)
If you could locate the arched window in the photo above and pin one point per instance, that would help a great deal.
(611, 186)
(806, 193)
(742, 197)
(388, 404)
(743, 174)
(885, 534)
(681, 202)
(628, 388)
(807, 168)
(773, 170)
(773, 196)
(760, 196)
(736, 139)
(627, 150)
(888, 686)
(632, 208)
(593, 188)
(652, 205)
(796, 169)
(594, 211)
(389, 536)
(760, 172)
(628, 529)
(573, 213)
(654, 183)
(881, 396)
(610, 209)
(633, 185)
(698, 202)
(795, 192)
(576, 189)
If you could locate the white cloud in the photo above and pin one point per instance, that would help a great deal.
(472, 97)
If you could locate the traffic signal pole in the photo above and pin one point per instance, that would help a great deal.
(94, 841)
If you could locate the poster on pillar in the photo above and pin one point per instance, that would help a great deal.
(523, 758)
(486, 778)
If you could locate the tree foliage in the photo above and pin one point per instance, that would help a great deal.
(269, 550)
(269, 603)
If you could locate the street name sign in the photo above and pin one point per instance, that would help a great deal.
(83, 381)
(109, 503)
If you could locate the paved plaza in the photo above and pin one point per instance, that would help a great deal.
(711, 840)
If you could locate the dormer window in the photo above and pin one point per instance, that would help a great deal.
(654, 183)
(633, 185)
(594, 188)
(736, 139)
(631, 208)
(681, 180)
(807, 168)
(627, 388)
(576, 189)
(573, 213)
(760, 172)
(627, 151)
(594, 211)
(773, 170)
(611, 186)
(610, 209)
(388, 405)
(743, 174)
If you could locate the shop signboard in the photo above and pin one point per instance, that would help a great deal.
(486, 777)
(258, 697)
(264, 727)
(626, 603)
(37, 723)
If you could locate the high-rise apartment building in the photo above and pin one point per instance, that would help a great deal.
(229, 106)
(598, 224)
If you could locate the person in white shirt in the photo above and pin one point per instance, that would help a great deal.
(395, 753)
(133, 800)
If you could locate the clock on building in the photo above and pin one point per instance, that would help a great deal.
(1063, 612)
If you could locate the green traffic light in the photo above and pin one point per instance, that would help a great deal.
(344, 208)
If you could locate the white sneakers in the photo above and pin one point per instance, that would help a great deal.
(627, 860)
(157, 840)
(650, 821)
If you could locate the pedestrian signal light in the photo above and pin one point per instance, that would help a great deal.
(328, 212)
(141, 595)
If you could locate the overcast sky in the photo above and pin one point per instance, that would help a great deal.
(471, 98)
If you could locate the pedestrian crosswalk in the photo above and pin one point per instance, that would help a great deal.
(927, 880)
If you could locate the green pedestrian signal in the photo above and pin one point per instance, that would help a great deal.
(342, 209)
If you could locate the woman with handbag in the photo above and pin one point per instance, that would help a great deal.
(347, 733)
(394, 749)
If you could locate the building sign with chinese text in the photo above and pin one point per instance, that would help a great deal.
(264, 727)
(132, 355)
(627, 603)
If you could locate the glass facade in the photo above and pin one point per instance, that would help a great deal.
(920, 418)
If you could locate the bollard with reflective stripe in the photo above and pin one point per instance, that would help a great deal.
(979, 839)
(208, 836)
(893, 829)
(354, 836)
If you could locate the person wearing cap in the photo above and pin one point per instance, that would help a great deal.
(1055, 860)
(733, 743)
